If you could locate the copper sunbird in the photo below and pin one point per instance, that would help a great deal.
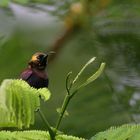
(35, 74)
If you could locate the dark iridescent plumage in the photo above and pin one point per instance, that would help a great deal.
(34, 78)
(35, 74)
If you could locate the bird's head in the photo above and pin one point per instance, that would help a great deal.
(39, 61)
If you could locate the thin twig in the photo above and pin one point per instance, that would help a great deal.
(58, 44)
(67, 82)
(63, 109)
(52, 134)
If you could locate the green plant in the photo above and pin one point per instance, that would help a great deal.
(33, 135)
(71, 90)
(124, 132)
(19, 102)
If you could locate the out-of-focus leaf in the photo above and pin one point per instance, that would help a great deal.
(40, 1)
(21, 1)
(4, 3)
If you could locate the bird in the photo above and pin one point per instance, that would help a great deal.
(35, 74)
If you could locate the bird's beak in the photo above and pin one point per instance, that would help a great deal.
(51, 52)
(47, 55)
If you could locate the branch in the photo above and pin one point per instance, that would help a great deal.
(59, 43)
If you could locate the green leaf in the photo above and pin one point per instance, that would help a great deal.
(21, 1)
(94, 76)
(40, 1)
(44, 93)
(124, 132)
(84, 67)
(18, 102)
(4, 3)
(33, 135)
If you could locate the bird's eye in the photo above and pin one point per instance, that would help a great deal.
(40, 57)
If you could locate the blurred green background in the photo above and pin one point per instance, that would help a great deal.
(78, 30)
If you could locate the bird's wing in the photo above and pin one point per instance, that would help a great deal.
(25, 75)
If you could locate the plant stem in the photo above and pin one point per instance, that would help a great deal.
(51, 132)
(63, 109)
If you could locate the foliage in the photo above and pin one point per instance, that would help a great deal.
(72, 89)
(111, 33)
(124, 132)
(33, 135)
(52, 2)
(18, 102)
(89, 80)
